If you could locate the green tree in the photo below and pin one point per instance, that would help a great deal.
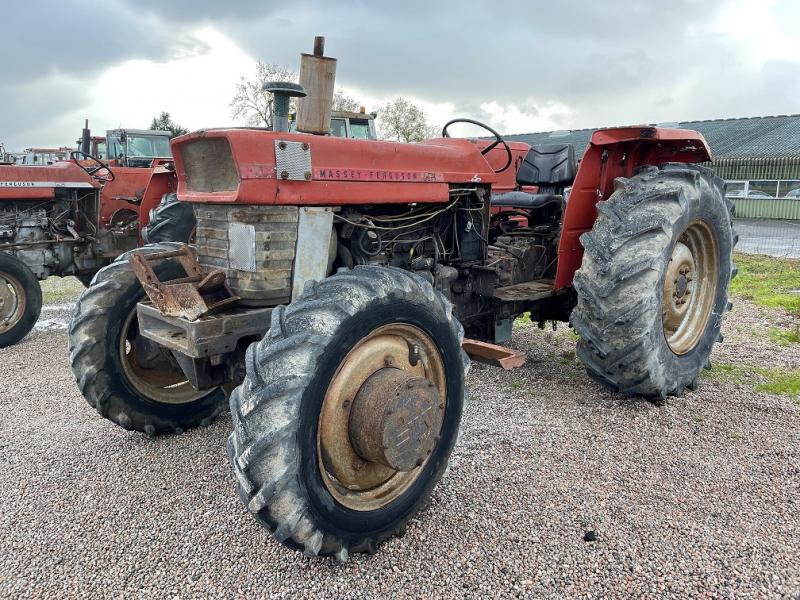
(164, 122)
(401, 120)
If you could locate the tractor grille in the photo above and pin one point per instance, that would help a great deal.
(254, 245)
(208, 164)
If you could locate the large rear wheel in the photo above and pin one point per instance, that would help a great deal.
(653, 285)
(20, 300)
(349, 410)
(128, 379)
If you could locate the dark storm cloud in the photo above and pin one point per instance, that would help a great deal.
(79, 38)
(606, 62)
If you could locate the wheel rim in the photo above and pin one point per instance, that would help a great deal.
(12, 302)
(394, 361)
(167, 385)
(690, 287)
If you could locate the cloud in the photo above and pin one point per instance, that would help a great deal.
(522, 64)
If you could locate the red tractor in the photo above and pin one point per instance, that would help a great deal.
(332, 282)
(74, 217)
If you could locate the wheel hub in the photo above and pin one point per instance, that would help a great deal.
(11, 302)
(395, 419)
(677, 287)
(689, 287)
(381, 417)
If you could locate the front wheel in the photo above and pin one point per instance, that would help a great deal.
(20, 300)
(653, 285)
(128, 379)
(349, 410)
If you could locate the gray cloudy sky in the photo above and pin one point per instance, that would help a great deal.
(526, 65)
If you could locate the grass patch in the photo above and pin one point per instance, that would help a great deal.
(726, 373)
(61, 290)
(784, 337)
(782, 382)
(524, 320)
(773, 282)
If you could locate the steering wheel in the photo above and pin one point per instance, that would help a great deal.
(497, 139)
(92, 171)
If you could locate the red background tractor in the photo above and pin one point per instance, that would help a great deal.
(74, 217)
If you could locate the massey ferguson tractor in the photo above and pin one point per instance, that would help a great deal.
(74, 217)
(332, 282)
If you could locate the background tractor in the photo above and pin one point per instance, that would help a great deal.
(75, 216)
(332, 281)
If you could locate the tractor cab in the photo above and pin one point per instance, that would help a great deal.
(344, 124)
(137, 147)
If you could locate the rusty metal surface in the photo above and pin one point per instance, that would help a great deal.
(271, 253)
(354, 482)
(395, 419)
(492, 354)
(191, 297)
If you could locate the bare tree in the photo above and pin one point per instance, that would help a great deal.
(343, 102)
(251, 104)
(403, 121)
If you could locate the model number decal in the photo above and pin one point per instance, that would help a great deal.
(46, 184)
(376, 175)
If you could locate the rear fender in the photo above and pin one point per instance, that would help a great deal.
(162, 181)
(613, 153)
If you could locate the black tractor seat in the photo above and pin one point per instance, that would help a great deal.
(551, 167)
(525, 200)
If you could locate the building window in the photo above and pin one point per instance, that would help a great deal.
(763, 188)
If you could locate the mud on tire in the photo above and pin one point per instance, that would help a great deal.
(273, 447)
(621, 311)
(96, 357)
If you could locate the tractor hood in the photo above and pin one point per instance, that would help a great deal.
(35, 182)
(254, 166)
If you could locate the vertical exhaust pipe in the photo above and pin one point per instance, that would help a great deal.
(317, 77)
(86, 138)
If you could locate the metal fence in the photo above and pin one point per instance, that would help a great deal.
(773, 237)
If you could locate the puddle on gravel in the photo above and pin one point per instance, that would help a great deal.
(52, 324)
(55, 322)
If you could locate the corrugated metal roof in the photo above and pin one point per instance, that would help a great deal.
(748, 137)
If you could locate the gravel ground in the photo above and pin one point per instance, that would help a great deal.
(696, 497)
